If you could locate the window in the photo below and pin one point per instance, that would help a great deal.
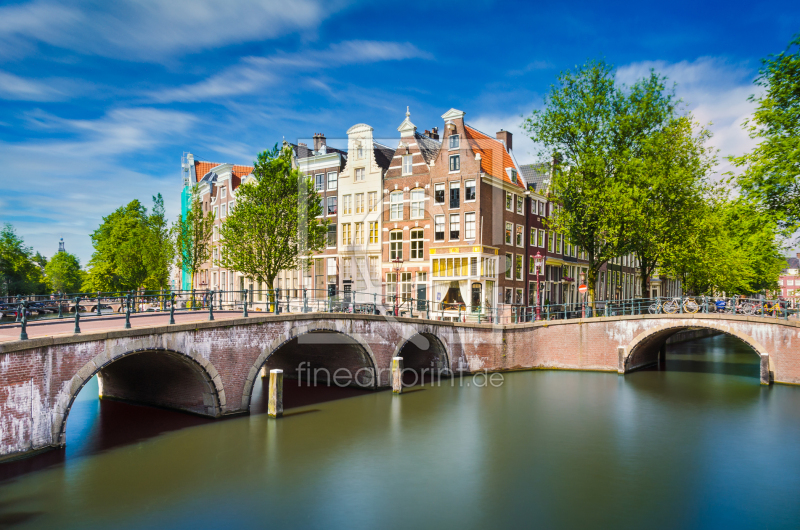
(438, 193)
(331, 205)
(518, 266)
(455, 163)
(469, 225)
(333, 177)
(518, 297)
(508, 264)
(407, 167)
(346, 235)
(520, 201)
(223, 209)
(331, 237)
(391, 285)
(319, 182)
(372, 201)
(216, 212)
(347, 272)
(559, 243)
(509, 233)
(360, 174)
(224, 192)
(405, 285)
(454, 141)
(331, 265)
(469, 190)
(417, 203)
(550, 241)
(359, 233)
(216, 233)
(373, 232)
(417, 244)
(533, 237)
(373, 267)
(230, 206)
(541, 238)
(520, 242)
(508, 295)
(541, 208)
(396, 201)
(215, 256)
(438, 228)
(321, 206)
(509, 201)
(347, 204)
(360, 152)
(531, 266)
(455, 226)
(455, 192)
(396, 244)
(359, 200)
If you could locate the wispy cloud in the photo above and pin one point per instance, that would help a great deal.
(253, 74)
(531, 67)
(152, 30)
(20, 89)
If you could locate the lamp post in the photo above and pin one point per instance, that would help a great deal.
(583, 305)
(397, 264)
(538, 261)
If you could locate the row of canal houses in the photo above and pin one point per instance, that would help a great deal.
(447, 217)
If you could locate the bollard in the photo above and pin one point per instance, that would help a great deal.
(275, 409)
(128, 312)
(397, 375)
(23, 334)
(305, 301)
(98, 304)
(60, 310)
(245, 303)
(211, 305)
(77, 315)
(172, 308)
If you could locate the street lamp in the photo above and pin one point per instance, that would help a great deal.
(583, 306)
(538, 261)
(397, 264)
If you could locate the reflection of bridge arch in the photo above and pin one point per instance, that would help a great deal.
(319, 349)
(644, 349)
(153, 376)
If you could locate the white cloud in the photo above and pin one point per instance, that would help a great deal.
(152, 30)
(715, 91)
(253, 74)
(19, 89)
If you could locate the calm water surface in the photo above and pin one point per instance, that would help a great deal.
(697, 444)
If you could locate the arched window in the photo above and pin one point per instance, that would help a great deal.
(396, 244)
(396, 204)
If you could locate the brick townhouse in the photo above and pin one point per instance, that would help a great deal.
(478, 250)
(789, 281)
(407, 220)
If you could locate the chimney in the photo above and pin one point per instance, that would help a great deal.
(427, 133)
(435, 133)
(505, 137)
(319, 141)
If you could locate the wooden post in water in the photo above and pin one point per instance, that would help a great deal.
(275, 409)
(397, 375)
(765, 375)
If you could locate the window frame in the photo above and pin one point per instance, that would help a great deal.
(319, 182)
(450, 231)
(407, 169)
(469, 218)
(396, 206)
(509, 233)
(454, 185)
(455, 163)
(417, 205)
(439, 187)
(418, 242)
(451, 144)
(395, 245)
(467, 187)
(436, 225)
(333, 183)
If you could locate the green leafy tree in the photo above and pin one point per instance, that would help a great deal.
(64, 273)
(19, 273)
(597, 128)
(668, 193)
(274, 224)
(159, 248)
(772, 170)
(192, 236)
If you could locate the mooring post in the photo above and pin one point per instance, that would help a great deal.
(23, 334)
(275, 393)
(245, 302)
(397, 375)
(77, 315)
(172, 308)
(128, 311)
(765, 376)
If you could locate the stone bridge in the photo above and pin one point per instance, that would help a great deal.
(210, 367)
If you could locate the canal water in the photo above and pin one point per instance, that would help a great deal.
(697, 443)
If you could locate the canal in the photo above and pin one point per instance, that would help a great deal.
(694, 443)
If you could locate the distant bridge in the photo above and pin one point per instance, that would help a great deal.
(210, 367)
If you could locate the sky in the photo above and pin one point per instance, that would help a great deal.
(98, 100)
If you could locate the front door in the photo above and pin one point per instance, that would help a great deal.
(422, 296)
(476, 297)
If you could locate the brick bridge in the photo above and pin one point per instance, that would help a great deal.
(210, 368)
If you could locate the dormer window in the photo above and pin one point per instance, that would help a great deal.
(454, 141)
(512, 175)
(407, 168)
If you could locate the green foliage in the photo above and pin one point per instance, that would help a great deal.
(19, 273)
(132, 250)
(772, 170)
(64, 273)
(192, 236)
(274, 223)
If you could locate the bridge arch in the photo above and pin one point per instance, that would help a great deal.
(198, 384)
(359, 347)
(644, 349)
(424, 348)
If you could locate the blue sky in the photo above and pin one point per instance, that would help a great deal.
(98, 100)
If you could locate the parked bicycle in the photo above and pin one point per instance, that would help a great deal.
(673, 305)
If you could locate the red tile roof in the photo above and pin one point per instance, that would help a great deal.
(494, 155)
(201, 168)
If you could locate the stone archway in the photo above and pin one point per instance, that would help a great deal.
(424, 352)
(644, 349)
(198, 390)
(365, 370)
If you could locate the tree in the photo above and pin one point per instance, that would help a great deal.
(159, 250)
(275, 220)
(668, 195)
(597, 129)
(19, 273)
(64, 273)
(192, 235)
(772, 170)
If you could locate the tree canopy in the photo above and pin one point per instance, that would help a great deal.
(192, 236)
(19, 272)
(64, 273)
(274, 224)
